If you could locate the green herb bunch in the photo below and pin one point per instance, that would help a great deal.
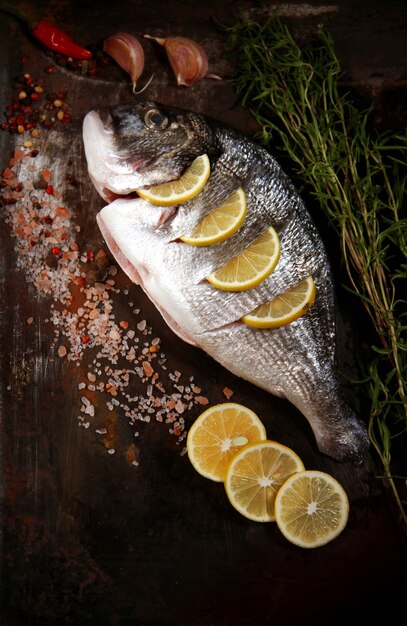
(358, 177)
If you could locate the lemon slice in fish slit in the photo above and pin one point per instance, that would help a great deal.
(254, 476)
(284, 308)
(184, 188)
(311, 508)
(221, 223)
(251, 267)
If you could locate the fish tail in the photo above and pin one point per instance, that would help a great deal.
(339, 431)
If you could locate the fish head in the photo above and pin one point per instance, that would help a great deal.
(141, 144)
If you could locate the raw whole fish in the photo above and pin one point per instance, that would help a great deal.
(144, 144)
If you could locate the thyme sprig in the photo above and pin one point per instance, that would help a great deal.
(358, 177)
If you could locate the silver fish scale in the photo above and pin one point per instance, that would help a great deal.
(296, 361)
(270, 194)
(302, 255)
(272, 201)
(221, 184)
(300, 246)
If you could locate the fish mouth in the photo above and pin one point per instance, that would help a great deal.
(114, 175)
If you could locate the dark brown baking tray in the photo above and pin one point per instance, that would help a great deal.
(103, 519)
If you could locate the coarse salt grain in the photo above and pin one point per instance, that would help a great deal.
(90, 410)
(38, 221)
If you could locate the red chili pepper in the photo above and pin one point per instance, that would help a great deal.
(55, 39)
(49, 34)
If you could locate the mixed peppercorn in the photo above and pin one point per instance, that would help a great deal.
(33, 107)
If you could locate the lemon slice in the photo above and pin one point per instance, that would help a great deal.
(284, 308)
(255, 475)
(217, 434)
(312, 508)
(220, 223)
(251, 267)
(177, 191)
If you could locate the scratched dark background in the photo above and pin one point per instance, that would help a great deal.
(89, 538)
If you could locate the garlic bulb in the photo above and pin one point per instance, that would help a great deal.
(127, 51)
(187, 58)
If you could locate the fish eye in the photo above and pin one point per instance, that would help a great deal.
(154, 119)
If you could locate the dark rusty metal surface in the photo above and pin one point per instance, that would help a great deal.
(137, 537)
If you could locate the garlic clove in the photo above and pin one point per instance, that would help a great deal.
(127, 51)
(187, 58)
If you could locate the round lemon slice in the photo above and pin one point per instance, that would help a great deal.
(312, 508)
(177, 191)
(251, 267)
(220, 223)
(254, 476)
(284, 308)
(217, 434)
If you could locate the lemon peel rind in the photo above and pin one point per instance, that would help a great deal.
(239, 456)
(258, 322)
(327, 537)
(262, 435)
(253, 282)
(150, 194)
(221, 235)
